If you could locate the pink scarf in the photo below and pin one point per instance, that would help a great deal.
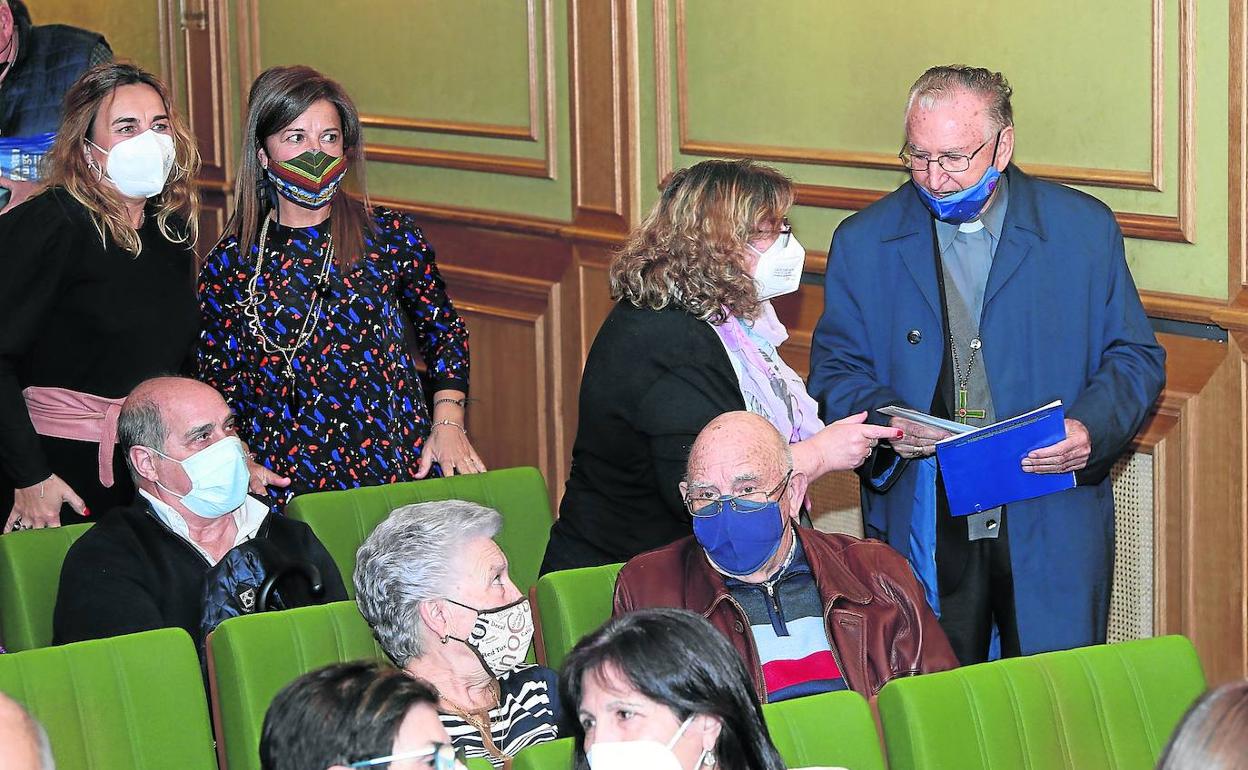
(68, 414)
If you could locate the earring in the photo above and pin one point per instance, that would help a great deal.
(446, 638)
(707, 759)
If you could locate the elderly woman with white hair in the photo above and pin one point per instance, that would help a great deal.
(433, 585)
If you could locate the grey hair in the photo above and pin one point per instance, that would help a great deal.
(940, 83)
(412, 558)
(140, 423)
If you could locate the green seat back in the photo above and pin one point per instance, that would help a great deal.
(1094, 707)
(252, 657)
(342, 519)
(134, 702)
(553, 755)
(30, 573)
(833, 729)
(572, 603)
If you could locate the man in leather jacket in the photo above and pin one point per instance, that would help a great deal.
(807, 611)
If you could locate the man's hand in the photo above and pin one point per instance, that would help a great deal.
(1069, 454)
(262, 478)
(917, 440)
(39, 505)
(19, 191)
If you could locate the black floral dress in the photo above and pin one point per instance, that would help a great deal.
(345, 408)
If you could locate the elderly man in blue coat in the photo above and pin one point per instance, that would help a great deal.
(976, 293)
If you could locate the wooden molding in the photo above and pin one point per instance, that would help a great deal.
(206, 40)
(527, 133)
(542, 109)
(605, 98)
(1179, 228)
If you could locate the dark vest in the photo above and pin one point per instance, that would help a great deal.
(49, 59)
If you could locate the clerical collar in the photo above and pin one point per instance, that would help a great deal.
(993, 218)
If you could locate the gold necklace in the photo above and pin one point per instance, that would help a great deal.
(252, 305)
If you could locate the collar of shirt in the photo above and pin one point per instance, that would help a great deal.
(993, 218)
(248, 518)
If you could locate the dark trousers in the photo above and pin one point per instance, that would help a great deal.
(976, 585)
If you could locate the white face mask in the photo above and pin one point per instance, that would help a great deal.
(779, 268)
(501, 636)
(637, 755)
(219, 478)
(140, 165)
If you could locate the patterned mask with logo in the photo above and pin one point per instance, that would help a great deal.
(501, 636)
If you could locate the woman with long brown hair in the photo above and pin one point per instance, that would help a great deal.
(97, 294)
(692, 336)
(306, 300)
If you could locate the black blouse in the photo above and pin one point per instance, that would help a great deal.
(76, 314)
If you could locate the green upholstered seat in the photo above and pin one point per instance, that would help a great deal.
(1093, 707)
(30, 573)
(134, 702)
(572, 603)
(342, 519)
(252, 657)
(832, 729)
(554, 755)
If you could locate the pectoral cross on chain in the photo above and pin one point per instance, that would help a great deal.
(963, 413)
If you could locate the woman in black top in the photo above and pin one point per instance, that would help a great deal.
(97, 294)
(692, 336)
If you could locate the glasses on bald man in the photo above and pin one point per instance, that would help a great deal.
(951, 162)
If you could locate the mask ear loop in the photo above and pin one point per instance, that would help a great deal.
(92, 164)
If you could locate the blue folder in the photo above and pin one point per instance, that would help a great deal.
(983, 468)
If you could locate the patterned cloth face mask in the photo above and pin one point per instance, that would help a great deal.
(501, 636)
(310, 179)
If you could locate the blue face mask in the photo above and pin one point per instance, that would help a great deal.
(740, 542)
(963, 205)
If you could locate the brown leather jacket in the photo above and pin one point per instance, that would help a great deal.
(877, 619)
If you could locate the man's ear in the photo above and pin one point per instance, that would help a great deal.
(795, 495)
(1005, 148)
(143, 460)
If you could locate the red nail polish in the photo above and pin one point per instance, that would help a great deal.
(899, 434)
(86, 511)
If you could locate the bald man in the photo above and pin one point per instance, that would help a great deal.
(808, 612)
(145, 566)
(23, 742)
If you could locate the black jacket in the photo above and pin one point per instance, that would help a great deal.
(131, 573)
(652, 381)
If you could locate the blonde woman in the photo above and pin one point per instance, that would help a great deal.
(692, 336)
(97, 294)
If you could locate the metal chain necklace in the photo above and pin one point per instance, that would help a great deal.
(315, 305)
(962, 413)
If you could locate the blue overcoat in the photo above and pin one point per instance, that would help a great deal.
(1061, 320)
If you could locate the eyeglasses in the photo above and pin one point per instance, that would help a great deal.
(782, 235)
(952, 162)
(705, 503)
(440, 756)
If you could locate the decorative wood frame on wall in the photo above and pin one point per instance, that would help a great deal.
(1178, 228)
(542, 125)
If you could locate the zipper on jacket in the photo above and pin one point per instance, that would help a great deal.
(827, 625)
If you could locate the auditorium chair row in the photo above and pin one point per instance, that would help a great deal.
(138, 702)
(1100, 707)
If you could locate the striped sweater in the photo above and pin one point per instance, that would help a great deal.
(786, 620)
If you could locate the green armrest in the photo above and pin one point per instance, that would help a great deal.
(832, 729)
(134, 702)
(1093, 707)
(553, 755)
(572, 603)
(252, 657)
(30, 574)
(342, 519)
